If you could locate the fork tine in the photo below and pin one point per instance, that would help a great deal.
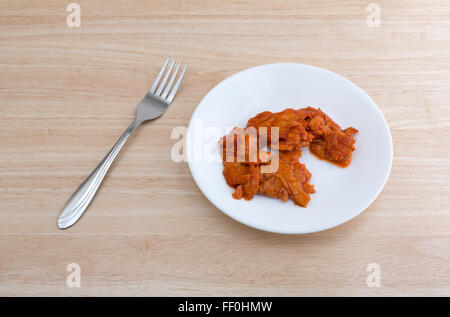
(155, 84)
(161, 87)
(177, 85)
(169, 85)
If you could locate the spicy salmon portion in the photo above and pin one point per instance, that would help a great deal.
(292, 124)
(243, 177)
(241, 159)
(244, 160)
(308, 126)
(335, 147)
(291, 180)
(242, 171)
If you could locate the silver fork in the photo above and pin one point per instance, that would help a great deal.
(154, 104)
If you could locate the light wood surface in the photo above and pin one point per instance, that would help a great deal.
(66, 95)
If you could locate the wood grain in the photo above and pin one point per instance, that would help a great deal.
(66, 94)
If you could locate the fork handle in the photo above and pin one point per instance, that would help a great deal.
(83, 196)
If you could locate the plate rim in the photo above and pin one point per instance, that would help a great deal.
(291, 232)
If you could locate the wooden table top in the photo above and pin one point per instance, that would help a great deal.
(66, 95)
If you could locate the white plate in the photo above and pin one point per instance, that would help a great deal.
(341, 193)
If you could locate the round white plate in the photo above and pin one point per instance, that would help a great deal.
(341, 193)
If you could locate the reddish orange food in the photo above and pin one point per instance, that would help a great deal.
(309, 126)
(291, 180)
(243, 158)
(242, 171)
(241, 165)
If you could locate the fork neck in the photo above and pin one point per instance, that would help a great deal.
(133, 126)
